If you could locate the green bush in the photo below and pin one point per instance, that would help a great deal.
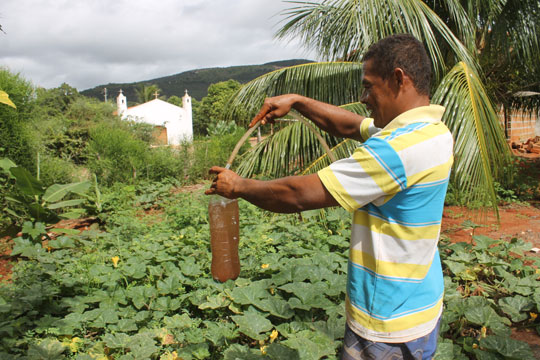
(213, 151)
(55, 170)
(115, 155)
(15, 137)
(165, 162)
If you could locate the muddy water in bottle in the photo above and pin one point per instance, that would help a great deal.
(224, 235)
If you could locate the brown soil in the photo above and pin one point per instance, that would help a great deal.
(516, 221)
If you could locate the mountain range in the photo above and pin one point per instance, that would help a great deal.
(196, 82)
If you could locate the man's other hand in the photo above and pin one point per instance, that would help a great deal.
(225, 183)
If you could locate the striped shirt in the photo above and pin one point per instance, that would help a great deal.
(395, 184)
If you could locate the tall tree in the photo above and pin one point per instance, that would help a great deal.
(460, 37)
(146, 92)
(213, 107)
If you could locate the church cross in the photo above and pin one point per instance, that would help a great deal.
(156, 94)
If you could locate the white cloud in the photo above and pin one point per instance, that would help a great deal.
(91, 42)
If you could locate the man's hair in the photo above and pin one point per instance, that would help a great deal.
(402, 51)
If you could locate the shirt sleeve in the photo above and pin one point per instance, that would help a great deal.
(374, 170)
(367, 128)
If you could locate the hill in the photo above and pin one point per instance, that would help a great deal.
(195, 81)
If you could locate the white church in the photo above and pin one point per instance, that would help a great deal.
(174, 124)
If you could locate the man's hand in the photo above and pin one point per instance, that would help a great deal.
(273, 108)
(224, 183)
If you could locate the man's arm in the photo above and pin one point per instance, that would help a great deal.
(330, 118)
(286, 195)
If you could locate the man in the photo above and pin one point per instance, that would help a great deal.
(394, 183)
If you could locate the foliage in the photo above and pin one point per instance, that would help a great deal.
(521, 178)
(146, 93)
(115, 154)
(42, 202)
(212, 151)
(213, 107)
(15, 138)
(57, 100)
(141, 288)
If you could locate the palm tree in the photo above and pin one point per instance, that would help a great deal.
(146, 92)
(477, 50)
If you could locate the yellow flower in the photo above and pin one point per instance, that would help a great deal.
(265, 266)
(484, 331)
(263, 349)
(272, 291)
(329, 232)
(533, 316)
(73, 344)
(115, 260)
(273, 335)
(170, 356)
(475, 346)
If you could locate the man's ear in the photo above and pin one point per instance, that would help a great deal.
(399, 75)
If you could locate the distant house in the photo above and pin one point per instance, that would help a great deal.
(173, 124)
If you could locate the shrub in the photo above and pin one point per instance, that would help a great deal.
(164, 162)
(55, 170)
(15, 137)
(213, 151)
(115, 155)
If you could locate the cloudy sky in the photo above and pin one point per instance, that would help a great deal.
(86, 43)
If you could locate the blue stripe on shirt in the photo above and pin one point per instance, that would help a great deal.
(388, 158)
(393, 298)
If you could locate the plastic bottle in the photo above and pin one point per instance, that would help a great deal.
(224, 236)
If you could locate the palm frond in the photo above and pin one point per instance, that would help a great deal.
(344, 29)
(332, 82)
(479, 146)
(295, 148)
(284, 153)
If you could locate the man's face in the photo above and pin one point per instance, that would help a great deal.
(379, 95)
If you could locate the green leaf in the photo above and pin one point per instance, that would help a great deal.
(249, 294)
(178, 321)
(486, 316)
(66, 203)
(507, 347)
(34, 230)
(275, 306)
(279, 352)
(6, 164)
(26, 182)
(309, 295)
(484, 355)
(215, 302)
(48, 349)
(516, 307)
(483, 242)
(311, 344)
(116, 341)
(253, 324)
(65, 231)
(240, 352)
(57, 192)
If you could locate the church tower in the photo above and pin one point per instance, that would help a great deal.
(186, 105)
(121, 103)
